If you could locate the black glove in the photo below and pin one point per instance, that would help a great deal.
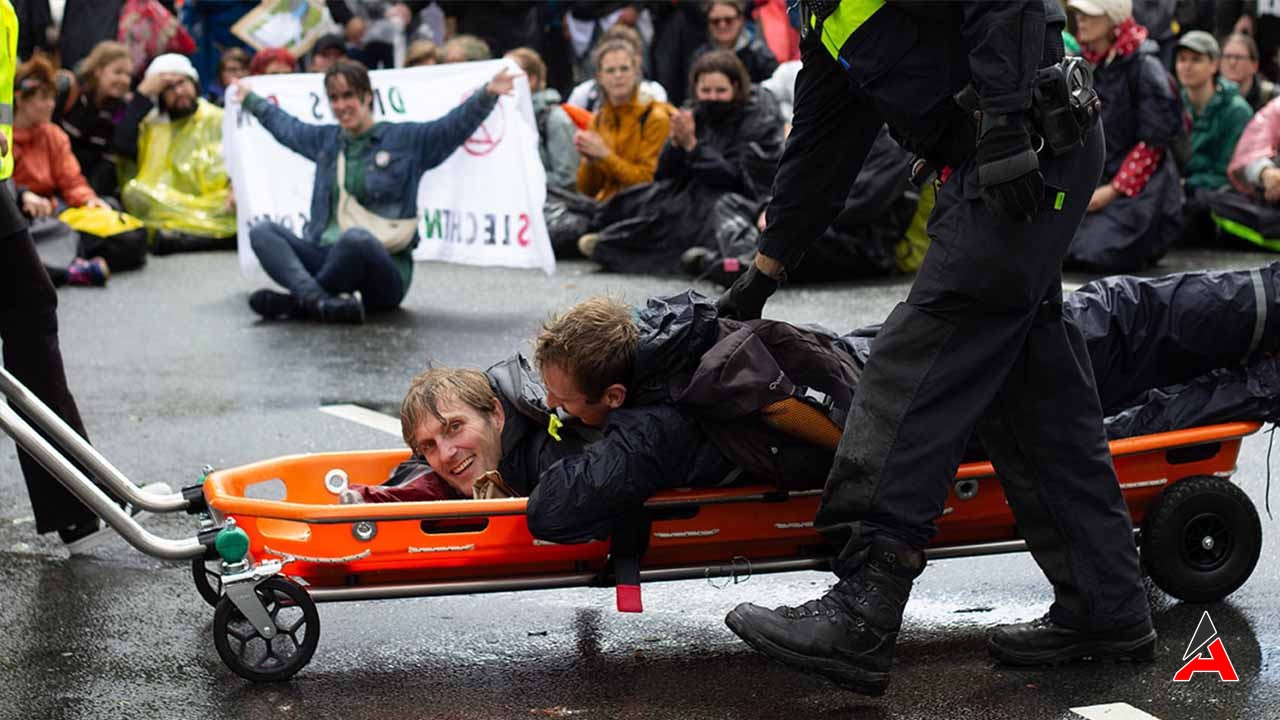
(745, 299)
(1008, 169)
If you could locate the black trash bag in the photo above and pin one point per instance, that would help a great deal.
(568, 217)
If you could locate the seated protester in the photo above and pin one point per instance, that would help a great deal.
(880, 231)
(1251, 210)
(382, 164)
(47, 179)
(1240, 66)
(273, 61)
(727, 30)
(1136, 213)
(232, 65)
(91, 114)
(181, 190)
(782, 85)
(327, 50)
(587, 94)
(465, 48)
(373, 29)
(621, 147)
(1219, 115)
(421, 52)
(1166, 352)
(464, 424)
(728, 144)
(555, 128)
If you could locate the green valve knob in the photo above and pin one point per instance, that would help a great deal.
(232, 544)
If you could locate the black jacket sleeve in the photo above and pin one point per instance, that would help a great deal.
(643, 450)
(1006, 42)
(125, 137)
(832, 130)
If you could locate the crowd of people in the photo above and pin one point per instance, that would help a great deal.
(648, 114)
(675, 152)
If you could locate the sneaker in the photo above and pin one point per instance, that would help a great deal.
(587, 244)
(847, 635)
(342, 309)
(92, 272)
(83, 536)
(272, 305)
(1044, 642)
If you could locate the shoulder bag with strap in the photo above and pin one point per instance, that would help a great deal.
(395, 234)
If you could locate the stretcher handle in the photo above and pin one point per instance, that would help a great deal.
(90, 494)
(70, 443)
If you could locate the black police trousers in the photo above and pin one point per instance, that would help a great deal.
(29, 334)
(981, 344)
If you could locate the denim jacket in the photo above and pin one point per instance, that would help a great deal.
(411, 148)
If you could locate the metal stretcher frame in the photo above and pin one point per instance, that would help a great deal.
(306, 548)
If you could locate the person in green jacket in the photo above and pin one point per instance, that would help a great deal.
(1219, 114)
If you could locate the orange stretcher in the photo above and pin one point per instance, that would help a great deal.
(274, 541)
(1200, 534)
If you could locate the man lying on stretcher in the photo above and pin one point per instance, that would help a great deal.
(684, 398)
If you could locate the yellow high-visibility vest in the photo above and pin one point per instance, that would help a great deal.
(8, 67)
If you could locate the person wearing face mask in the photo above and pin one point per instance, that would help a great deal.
(91, 112)
(181, 190)
(721, 152)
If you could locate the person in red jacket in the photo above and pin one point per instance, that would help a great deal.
(46, 173)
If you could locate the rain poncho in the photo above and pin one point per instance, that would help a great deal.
(182, 182)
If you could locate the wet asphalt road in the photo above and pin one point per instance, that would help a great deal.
(172, 371)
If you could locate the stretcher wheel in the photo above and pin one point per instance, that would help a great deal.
(252, 656)
(1201, 539)
(208, 580)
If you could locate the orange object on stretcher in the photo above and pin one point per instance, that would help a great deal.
(1200, 534)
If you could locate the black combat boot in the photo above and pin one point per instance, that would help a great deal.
(1044, 642)
(848, 634)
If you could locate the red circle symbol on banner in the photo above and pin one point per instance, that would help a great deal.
(489, 135)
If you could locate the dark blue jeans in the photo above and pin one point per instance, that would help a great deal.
(313, 272)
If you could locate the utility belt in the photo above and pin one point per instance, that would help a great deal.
(1064, 107)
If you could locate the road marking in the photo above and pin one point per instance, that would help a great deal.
(1113, 711)
(364, 416)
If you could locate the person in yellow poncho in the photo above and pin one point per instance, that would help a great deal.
(181, 190)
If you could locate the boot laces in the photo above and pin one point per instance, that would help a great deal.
(839, 601)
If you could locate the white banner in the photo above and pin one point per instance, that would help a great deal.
(481, 206)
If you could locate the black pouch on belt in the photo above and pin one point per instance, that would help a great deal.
(1064, 104)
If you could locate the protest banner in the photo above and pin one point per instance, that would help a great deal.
(482, 206)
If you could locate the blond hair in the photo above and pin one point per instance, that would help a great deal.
(102, 55)
(594, 341)
(429, 389)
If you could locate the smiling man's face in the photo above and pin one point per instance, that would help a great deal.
(463, 447)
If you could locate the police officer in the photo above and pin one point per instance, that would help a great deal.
(29, 322)
(980, 343)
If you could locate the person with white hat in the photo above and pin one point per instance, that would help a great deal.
(1136, 211)
(181, 190)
